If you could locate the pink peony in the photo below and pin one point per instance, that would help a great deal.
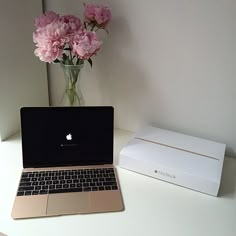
(96, 14)
(45, 19)
(73, 22)
(50, 41)
(85, 44)
(48, 53)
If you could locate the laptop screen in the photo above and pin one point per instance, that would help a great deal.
(66, 136)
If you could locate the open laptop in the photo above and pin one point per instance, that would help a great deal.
(68, 162)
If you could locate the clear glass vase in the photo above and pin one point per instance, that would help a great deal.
(72, 95)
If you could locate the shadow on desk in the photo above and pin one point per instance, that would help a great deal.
(1, 234)
(228, 180)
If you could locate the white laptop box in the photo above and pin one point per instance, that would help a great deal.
(176, 158)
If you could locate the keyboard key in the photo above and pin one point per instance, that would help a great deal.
(65, 190)
(59, 186)
(24, 175)
(73, 190)
(26, 188)
(37, 187)
(95, 180)
(43, 192)
(20, 193)
(87, 189)
(66, 185)
(52, 187)
(107, 187)
(110, 179)
(25, 184)
(28, 193)
(25, 180)
(108, 183)
(55, 191)
(35, 192)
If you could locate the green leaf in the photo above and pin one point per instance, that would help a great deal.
(90, 62)
(65, 59)
(78, 61)
(85, 26)
(56, 61)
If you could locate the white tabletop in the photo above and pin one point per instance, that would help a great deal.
(152, 207)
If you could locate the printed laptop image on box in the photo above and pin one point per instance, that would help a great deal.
(67, 162)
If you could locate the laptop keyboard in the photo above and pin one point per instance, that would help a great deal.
(63, 181)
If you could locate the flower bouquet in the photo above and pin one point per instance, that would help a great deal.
(69, 41)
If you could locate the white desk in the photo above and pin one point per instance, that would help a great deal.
(152, 207)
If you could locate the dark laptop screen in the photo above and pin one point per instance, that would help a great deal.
(63, 136)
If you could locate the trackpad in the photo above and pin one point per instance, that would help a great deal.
(68, 203)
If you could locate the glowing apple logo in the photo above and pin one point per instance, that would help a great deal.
(69, 137)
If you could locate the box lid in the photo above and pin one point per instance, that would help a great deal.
(182, 142)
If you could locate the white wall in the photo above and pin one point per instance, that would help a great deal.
(23, 79)
(170, 63)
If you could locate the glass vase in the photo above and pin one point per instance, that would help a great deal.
(72, 95)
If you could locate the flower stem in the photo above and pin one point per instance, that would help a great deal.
(93, 26)
(71, 59)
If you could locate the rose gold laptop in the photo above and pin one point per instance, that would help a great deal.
(68, 162)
